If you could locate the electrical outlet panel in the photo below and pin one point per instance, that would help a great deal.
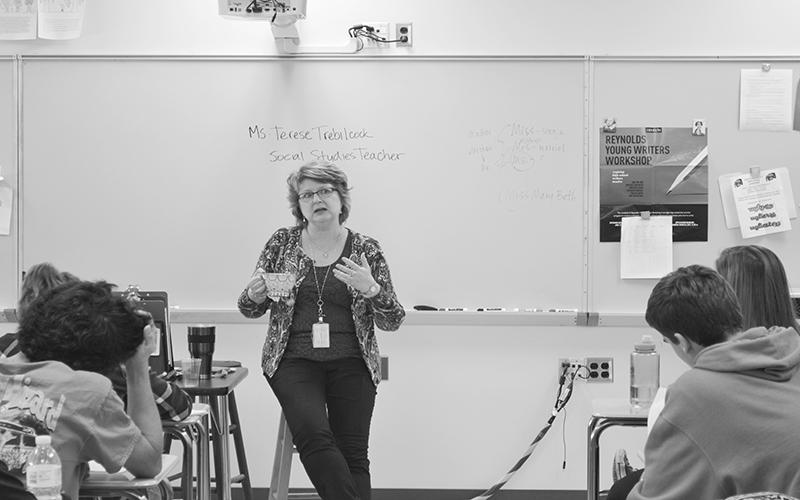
(572, 364)
(404, 33)
(600, 369)
(265, 10)
(380, 29)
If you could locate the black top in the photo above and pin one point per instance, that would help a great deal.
(337, 310)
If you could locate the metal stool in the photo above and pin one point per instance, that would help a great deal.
(282, 467)
(193, 430)
(218, 393)
(238, 445)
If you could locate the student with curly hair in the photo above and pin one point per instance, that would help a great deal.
(68, 336)
(173, 403)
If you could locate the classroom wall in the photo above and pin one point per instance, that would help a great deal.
(462, 402)
(457, 412)
(523, 27)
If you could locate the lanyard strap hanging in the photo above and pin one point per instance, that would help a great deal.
(320, 290)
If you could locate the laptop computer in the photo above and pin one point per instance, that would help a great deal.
(156, 303)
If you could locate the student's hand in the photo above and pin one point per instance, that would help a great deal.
(257, 289)
(148, 346)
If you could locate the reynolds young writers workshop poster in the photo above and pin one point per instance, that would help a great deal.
(663, 170)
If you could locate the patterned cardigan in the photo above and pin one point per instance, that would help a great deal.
(283, 254)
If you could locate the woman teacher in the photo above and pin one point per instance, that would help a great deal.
(321, 355)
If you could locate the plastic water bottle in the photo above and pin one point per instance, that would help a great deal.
(645, 363)
(43, 474)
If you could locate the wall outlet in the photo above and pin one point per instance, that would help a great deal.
(380, 29)
(404, 33)
(571, 364)
(600, 369)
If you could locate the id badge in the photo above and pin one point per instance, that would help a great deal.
(320, 335)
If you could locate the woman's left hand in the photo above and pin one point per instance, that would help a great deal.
(358, 276)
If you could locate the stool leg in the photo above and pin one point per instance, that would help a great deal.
(282, 465)
(216, 441)
(238, 444)
(187, 487)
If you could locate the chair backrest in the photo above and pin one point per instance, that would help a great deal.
(762, 495)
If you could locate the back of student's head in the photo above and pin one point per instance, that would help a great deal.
(83, 325)
(38, 279)
(696, 302)
(759, 281)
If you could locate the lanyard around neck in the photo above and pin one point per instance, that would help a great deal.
(320, 302)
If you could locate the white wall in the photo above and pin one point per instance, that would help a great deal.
(449, 27)
(462, 403)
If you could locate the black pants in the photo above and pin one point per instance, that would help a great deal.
(328, 407)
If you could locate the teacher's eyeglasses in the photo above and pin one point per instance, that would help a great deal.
(323, 193)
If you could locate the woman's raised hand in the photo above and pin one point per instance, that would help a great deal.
(356, 275)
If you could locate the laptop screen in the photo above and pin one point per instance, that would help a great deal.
(155, 302)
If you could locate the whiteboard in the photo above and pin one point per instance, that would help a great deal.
(171, 173)
(673, 93)
(8, 169)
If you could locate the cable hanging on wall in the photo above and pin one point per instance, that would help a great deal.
(566, 383)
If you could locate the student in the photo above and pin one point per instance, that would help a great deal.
(759, 281)
(172, 402)
(730, 422)
(68, 336)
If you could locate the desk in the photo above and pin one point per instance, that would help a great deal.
(606, 413)
(193, 433)
(218, 388)
(123, 484)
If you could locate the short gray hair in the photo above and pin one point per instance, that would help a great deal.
(320, 171)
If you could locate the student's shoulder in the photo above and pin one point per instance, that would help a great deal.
(695, 388)
(81, 380)
(55, 376)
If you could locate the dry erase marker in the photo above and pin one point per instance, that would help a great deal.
(422, 307)
(563, 310)
(491, 308)
(453, 309)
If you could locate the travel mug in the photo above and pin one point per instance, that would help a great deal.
(201, 345)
